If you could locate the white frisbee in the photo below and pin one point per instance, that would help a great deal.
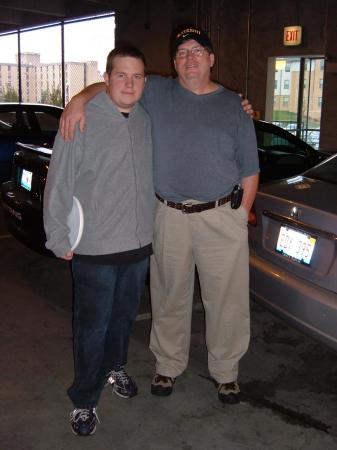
(75, 223)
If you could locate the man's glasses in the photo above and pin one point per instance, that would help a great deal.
(196, 52)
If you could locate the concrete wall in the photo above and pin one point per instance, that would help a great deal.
(149, 24)
(244, 33)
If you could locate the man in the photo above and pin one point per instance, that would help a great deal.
(109, 169)
(204, 151)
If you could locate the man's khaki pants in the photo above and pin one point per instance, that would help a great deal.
(216, 242)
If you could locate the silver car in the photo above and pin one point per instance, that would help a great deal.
(293, 250)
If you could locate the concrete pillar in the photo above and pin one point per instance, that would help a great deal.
(328, 139)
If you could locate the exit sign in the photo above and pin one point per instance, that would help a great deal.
(292, 35)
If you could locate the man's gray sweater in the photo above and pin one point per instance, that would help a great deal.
(108, 168)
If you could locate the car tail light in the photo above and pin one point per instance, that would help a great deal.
(252, 220)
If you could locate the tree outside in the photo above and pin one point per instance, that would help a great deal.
(53, 97)
(10, 95)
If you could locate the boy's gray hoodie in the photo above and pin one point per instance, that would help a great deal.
(108, 168)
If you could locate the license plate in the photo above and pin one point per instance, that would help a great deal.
(296, 244)
(26, 179)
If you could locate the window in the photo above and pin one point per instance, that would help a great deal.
(7, 119)
(294, 102)
(42, 59)
(47, 121)
(270, 141)
(275, 84)
(279, 152)
(14, 121)
(35, 52)
(325, 172)
(89, 66)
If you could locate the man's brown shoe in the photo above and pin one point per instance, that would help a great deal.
(162, 385)
(229, 393)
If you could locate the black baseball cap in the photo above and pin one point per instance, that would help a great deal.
(192, 33)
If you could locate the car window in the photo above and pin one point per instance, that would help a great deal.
(274, 143)
(5, 125)
(281, 155)
(12, 122)
(327, 171)
(8, 118)
(47, 121)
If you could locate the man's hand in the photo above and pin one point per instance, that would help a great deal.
(247, 107)
(68, 256)
(73, 113)
(249, 185)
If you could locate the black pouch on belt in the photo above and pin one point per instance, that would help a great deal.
(236, 196)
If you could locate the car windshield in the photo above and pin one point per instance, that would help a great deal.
(271, 141)
(326, 171)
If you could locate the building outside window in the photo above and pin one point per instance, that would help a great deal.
(42, 59)
(296, 102)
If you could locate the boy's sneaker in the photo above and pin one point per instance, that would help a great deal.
(83, 421)
(122, 384)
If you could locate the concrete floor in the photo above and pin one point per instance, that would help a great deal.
(289, 382)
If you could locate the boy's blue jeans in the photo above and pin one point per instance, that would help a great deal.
(106, 301)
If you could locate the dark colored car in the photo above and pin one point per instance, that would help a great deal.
(281, 155)
(22, 196)
(293, 257)
(27, 123)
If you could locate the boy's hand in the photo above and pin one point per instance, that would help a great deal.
(68, 256)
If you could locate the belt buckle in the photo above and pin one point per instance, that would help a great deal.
(185, 207)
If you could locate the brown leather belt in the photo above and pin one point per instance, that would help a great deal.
(188, 208)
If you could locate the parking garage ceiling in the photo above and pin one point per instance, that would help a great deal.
(16, 14)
